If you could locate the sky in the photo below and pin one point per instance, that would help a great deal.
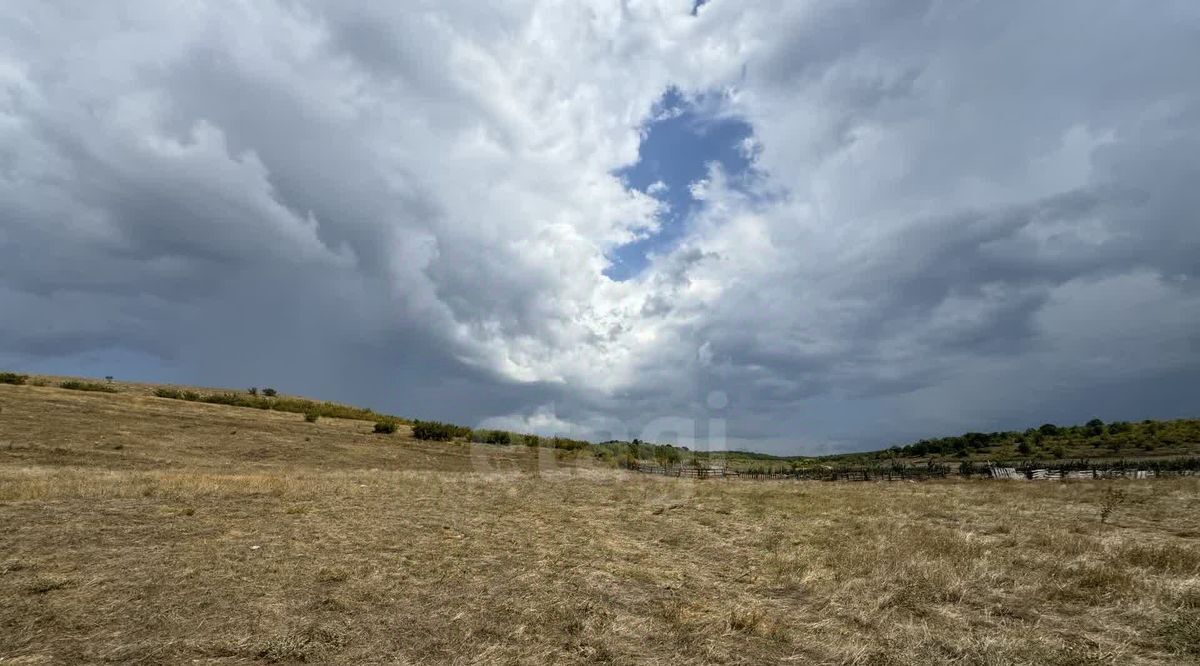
(780, 225)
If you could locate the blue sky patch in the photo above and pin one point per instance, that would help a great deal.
(678, 143)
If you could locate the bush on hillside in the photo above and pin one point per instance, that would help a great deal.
(269, 392)
(438, 431)
(311, 417)
(13, 378)
(491, 437)
(1118, 427)
(569, 444)
(385, 427)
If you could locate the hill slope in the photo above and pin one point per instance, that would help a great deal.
(130, 428)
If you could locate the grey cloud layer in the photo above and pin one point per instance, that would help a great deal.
(967, 216)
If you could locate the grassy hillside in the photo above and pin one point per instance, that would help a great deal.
(126, 427)
(142, 529)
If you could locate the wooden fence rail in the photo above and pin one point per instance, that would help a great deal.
(915, 473)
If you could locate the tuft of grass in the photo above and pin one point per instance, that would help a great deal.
(385, 427)
(747, 620)
(44, 584)
(332, 575)
(1168, 558)
(312, 643)
(1113, 497)
(1181, 633)
(312, 416)
(97, 387)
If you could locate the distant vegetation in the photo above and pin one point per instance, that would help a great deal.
(13, 378)
(1091, 440)
(385, 427)
(265, 401)
(87, 386)
(1049, 445)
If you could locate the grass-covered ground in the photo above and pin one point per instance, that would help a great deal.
(141, 529)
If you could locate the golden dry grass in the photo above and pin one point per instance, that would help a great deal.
(289, 541)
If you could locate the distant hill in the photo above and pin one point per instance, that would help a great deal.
(1092, 440)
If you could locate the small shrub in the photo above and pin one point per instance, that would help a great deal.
(533, 440)
(73, 385)
(569, 444)
(311, 417)
(385, 427)
(746, 620)
(13, 378)
(491, 437)
(968, 469)
(253, 390)
(174, 394)
(1113, 497)
(269, 392)
(438, 432)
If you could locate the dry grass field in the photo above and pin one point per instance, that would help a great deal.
(139, 529)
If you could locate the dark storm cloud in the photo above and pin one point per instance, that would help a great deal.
(961, 216)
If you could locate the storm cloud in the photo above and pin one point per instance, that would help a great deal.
(954, 216)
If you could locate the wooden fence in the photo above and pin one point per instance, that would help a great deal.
(912, 472)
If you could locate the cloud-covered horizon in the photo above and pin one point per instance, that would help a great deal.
(831, 225)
